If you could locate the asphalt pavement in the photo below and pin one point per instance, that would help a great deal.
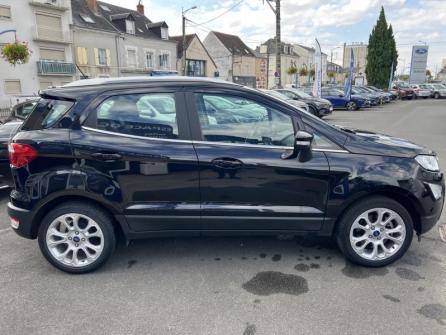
(238, 285)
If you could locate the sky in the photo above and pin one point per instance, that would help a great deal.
(332, 22)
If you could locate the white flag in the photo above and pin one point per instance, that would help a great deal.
(317, 71)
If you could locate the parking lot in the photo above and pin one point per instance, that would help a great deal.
(238, 285)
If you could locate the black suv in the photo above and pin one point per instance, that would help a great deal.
(151, 157)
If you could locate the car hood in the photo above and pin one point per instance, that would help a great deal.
(367, 142)
(317, 101)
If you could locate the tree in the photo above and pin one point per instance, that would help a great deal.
(381, 53)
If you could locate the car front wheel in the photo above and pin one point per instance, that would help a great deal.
(351, 106)
(375, 232)
(77, 237)
(436, 95)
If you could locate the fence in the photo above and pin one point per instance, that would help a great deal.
(4, 112)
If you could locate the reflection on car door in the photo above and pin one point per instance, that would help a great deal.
(244, 182)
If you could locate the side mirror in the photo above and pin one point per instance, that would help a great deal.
(302, 146)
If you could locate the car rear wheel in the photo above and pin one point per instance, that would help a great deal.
(77, 237)
(351, 106)
(375, 232)
(436, 95)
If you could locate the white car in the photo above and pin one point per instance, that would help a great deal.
(421, 91)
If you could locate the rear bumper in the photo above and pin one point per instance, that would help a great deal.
(24, 218)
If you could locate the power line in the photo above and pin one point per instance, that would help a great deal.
(220, 15)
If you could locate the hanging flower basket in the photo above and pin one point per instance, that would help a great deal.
(16, 53)
(292, 70)
(303, 72)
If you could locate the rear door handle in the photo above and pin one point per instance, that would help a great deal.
(106, 156)
(227, 163)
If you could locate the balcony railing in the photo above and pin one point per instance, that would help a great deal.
(61, 5)
(46, 67)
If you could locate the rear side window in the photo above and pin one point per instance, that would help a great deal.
(23, 111)
(148, 115)
(46, 113)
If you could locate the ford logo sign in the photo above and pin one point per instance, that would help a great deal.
(421, 51)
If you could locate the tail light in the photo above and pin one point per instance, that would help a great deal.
(21, 154)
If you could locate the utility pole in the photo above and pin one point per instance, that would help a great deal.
(183, 58)
(276, 11)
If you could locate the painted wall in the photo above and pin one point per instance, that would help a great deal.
(23, 19)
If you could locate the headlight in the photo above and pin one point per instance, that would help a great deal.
(428, 162)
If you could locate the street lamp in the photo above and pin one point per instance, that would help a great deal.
(183, 60)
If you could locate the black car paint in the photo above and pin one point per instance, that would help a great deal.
(321, 107)
(191, 187)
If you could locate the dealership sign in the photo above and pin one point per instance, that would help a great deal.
(418, 64)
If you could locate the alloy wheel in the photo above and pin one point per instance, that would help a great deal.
(351, 105)
(377, 234)
(74, 240)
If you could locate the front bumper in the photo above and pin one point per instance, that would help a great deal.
(432, 203)
(325, 110)
(22, 221)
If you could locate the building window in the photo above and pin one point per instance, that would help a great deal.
(5, 12)
(196, 68)
(149, 59)
(130, 27)
(45, 84)
(164, 60)
(49, 27)
(131, 58)
(102, 57)
(13, 86)
(86, 18)
(165, 33)
(52, 54)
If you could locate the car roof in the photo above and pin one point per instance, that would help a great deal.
(95, 85)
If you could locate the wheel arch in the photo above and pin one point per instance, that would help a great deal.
(48, 206)
(394, 193)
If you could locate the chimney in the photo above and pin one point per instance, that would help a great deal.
(93, 6)
(140, 8)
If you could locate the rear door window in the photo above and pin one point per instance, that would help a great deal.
(148, 115)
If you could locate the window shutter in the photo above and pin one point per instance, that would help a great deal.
(13, 87)
(108, 55)
(96, 56)
(84, 56)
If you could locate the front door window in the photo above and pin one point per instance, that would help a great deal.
(232, 119)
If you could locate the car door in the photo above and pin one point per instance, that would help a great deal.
(245, 185)
(135, 149)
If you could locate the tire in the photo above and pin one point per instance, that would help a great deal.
(436, 95)
(313, 111)
(351, 106)
(372, 239)
(77, 229)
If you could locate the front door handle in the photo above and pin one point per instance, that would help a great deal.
(106, 156)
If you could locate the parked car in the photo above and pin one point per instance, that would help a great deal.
(19, 112)
(85, 173)
(421, 91)
(403, 90)
(339, 100)
(317, 106)
(392, 96)
(384, 97)
(278, 95)
(374, 98)
(437, 90)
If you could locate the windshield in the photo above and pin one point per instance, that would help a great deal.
(277, 95)
(303, 95)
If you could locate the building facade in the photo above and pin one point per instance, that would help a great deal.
(289, 58)
(199, 62)
(235, 61)
(337, 73)
(308, 61)
(115, 41)
(360, 51)
(45, 26)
